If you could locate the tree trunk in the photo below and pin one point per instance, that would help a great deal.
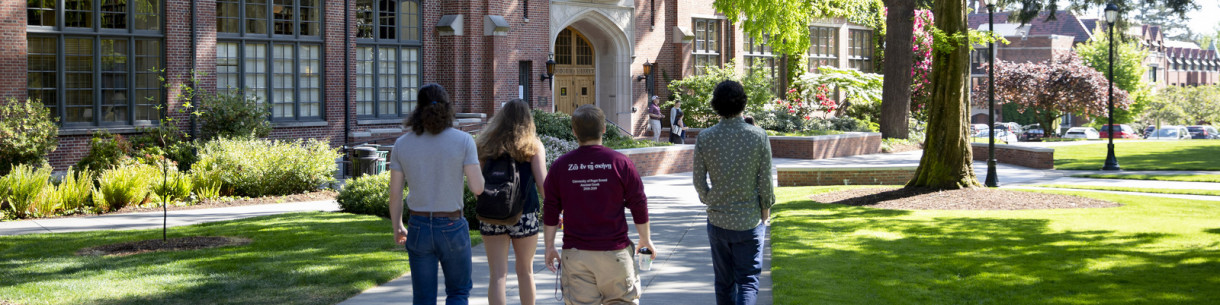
(896, 90)
(947, 157)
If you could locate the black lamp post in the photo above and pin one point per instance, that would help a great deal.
(550, 69)
(993, 179)
(1111, 17)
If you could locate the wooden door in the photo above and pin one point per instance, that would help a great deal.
(574, 71)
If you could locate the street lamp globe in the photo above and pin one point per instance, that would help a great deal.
(1111, 13)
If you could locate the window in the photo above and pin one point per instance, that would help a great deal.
(387, 57)
(707, 44)
(823, 47)
(978, 58)
(285, 75)
(861, 50)
(262, 18)
(1152, 74)
(758, 55)
(96, 63)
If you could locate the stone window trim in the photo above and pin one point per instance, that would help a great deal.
(860, 50)
(402, 104)
(760, 50)
(375, 25)
(240, 14)
(123, 89)
(823, 46)
(268, 58)
(709, 43)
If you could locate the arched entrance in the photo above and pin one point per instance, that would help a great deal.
(575, 73)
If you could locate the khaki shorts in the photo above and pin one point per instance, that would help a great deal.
(600, 277)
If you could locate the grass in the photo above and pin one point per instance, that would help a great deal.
(1150, 251)
(1142, 155)
(1136, 189)
(803, 133)
(1185, 178)
(300, 258)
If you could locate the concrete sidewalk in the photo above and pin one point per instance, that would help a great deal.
(150, 220)
(681, 274)
(1008, 174)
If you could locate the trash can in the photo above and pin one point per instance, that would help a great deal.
(365, 161)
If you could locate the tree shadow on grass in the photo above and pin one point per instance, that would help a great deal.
(1213, 231)
(305, 258)
(877, 259)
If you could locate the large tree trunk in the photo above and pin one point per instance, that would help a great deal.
(947, 157)
(896, 91)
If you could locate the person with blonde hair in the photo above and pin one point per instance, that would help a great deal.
(511, 132)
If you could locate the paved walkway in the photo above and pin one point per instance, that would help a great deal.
(681, 274)
(151, 220)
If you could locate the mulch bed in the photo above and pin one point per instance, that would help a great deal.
(155, 245)
(963, 199)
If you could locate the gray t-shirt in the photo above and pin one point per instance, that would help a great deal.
(433, 165)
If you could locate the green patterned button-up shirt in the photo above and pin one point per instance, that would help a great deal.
(737, 158)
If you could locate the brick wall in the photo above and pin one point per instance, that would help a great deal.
(1032, 157)
(13, 50)
(665, 160)
(822, 147)
(812, 176)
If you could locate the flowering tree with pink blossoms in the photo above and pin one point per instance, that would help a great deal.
(921, 83)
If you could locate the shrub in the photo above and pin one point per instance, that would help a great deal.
(122, 186)
(556, 147)
(232, 115)
(206, 184)
(171, 185)
(368, 195)
(25, 190)
(256, 167)
(73, 192)
(28, 133)
(559, 125)
(106, 150)
(695, 92)
(184, 153)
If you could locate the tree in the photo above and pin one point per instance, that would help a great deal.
(1166, 108)
(1053, 88)
(785, 23)
(896, 93)
(947, 157)
(1160, 14)
(1198, 104)
(1129, 71)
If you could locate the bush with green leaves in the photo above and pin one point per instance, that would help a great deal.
(123, 186)
(368, 195)
(556, 147)
(28, 133)
(232, 115)
(106, 151)
(695, 92)
(24, 190)
(559, 125)
(72, 194)
(206, 184)
(257, 167)
(780, 120)
(171, 185)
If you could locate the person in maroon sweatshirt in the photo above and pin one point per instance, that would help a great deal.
(590, 187)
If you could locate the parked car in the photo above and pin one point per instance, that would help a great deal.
(1124, 132)
(1203, 132)
(1087, 133)
(1169, 133)
(977, 128)
(1001, 136)
(1148, 130)
(1011, 127)
(1031, 135)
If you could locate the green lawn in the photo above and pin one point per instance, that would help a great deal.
(1142, 155)
(301, 258)
(1135, 189)
(1186, 178)
(1150, 251)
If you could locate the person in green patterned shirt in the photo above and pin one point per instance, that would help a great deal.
(736, 156)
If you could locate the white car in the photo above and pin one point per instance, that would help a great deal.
(1001, 136)
(1169, 133)
(1087, 133)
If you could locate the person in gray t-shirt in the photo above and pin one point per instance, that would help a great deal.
(433, 157)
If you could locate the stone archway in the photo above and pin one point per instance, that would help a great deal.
(605, 29)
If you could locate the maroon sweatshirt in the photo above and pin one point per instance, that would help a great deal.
(590, 186)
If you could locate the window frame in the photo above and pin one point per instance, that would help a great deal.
(762, 51)
(831, 46)
(268, 98)
(705, 54)
(270, 20)
(401, 44)
(60, 32)
(860, 50)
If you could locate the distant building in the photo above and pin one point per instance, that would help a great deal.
(1176, 63)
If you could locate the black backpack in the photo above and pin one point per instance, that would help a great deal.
(502, 200)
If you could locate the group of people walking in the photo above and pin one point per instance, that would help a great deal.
(677, 130)
(588, 191)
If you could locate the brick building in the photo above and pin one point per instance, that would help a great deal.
(1176, 63)
(348, 70)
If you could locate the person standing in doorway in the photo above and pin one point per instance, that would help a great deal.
(433, 158)
(737, 158)
(590, 187)
(654, 118)
(677, 127)
(511, 131)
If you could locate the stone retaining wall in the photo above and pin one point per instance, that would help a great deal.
(817, 176)
(664, 160)
(1032, 157)
(824, 147)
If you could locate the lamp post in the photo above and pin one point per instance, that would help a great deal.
(550, 70)
(993, 179)
(646, 77)
(1111, 17)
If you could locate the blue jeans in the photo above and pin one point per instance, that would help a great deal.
(446, 240)
(737, 259)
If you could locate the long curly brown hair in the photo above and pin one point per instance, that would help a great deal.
(510, 131)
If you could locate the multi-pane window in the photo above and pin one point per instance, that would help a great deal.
(387, 57)
(707, 44)
(860, 43)
(286, 76)
(823, 47)
(96, 62)
(261, 18)
(759, 56)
